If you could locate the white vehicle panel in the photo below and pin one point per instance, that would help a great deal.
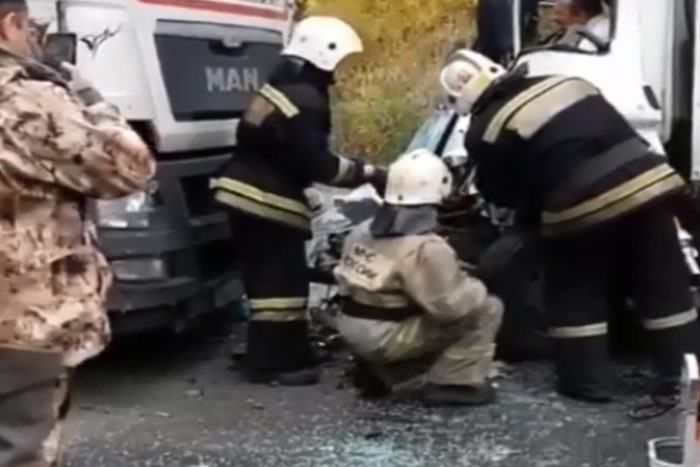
(142, 55)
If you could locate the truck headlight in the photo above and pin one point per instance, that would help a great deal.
(132, 211)
(140, 269)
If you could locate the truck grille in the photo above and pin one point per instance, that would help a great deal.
(210, 71)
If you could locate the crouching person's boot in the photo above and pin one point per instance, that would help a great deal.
(32, 384)
(460, 375)
(366, 380)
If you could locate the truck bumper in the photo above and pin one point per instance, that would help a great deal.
(168, 304)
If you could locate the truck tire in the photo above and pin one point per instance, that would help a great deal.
(510, 268)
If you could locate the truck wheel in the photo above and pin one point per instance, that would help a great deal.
(510, 267)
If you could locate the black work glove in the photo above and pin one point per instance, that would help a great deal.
(377, 177)
(363, 172)
(355, 176)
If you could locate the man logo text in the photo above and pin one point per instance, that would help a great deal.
(232, 79)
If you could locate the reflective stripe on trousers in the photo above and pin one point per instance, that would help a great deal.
(672, 321)
(278, 309)
(599, 329)
(585, 330)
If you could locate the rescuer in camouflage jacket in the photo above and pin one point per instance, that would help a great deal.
(61, 146)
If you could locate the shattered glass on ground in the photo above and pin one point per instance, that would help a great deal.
(177, 405)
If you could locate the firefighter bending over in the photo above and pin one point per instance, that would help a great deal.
(282, 148)
(556, 151)
(62, 145)
(407, 305)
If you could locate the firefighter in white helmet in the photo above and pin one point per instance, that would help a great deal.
(282, 148)
(557, 152)
(407, 305)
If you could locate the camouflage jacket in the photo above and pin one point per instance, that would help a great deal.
(56, 154)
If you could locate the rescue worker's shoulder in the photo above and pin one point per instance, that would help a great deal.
(292, 99)
(531, 109)
(429, 249)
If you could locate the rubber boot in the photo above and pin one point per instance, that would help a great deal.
(367, 382)
(281, 353)
(584, 369)
(452, 396)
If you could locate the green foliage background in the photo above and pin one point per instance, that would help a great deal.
(383, 94)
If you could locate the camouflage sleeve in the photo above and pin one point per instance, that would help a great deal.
(434, 279)
(50, 139)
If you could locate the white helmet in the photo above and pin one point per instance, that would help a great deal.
(418, 178)
(465, 76)
(323, 41)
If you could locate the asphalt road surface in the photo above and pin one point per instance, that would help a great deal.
(175, 404)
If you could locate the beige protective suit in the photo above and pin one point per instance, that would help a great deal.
(57, 153)
(445, 319)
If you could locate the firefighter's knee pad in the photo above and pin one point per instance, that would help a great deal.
(29, 380)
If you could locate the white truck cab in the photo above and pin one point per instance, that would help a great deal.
(188, 66)
(181, 72)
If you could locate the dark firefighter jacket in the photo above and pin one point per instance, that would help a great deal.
(554, 146)
(282, 147)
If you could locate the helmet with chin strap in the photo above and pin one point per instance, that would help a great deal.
(465, 76)
(323, 41)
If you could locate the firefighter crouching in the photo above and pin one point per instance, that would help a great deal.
(407, 306)
(555, 150)
(62, 145)
(282, 148)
